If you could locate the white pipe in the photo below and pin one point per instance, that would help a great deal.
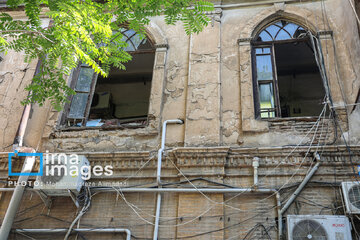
(302, 184)
(162, 148)
(19, 190)
(278, 203)
(251, 4)
(16, 199)
(157, 216)
(158, 173)
(63, 230)
(23, 124)
(185, 190)
(255, 165)
(174, 190)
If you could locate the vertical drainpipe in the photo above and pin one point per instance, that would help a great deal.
(278, 203)
(158, 174)
(255, 165)
(19, 189)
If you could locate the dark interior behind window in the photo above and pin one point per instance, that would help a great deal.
(301, 91)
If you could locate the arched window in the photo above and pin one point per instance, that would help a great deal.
(120, 98)
(287, 82)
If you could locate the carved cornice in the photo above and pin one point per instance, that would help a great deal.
(325, 34)
(244, 41)
(164, 45)
(219, 160)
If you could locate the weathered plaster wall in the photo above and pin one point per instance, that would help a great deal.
(206, 79)
(15, 75)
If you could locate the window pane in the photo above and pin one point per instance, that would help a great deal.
(281, 30)
(273, 29)
(264, 67)
(84, 80)
(129, 32)
(265, 36)
(266, 100)
(291, 28)
(78, 105)
(267, 113)
(283, 35)
(262, 50)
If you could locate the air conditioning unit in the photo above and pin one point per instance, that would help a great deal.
(319, 227)
(351, 192)
(62, 174)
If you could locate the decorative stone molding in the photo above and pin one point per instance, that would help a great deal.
(325, 34)
(215, 16)
(201, 156)
(280, 6)
(244, 41)
(160, 46)
(275, 162)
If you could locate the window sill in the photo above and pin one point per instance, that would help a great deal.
(295, 119)
(103, 128)
(91, 132)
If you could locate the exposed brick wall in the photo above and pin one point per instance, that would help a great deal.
(224, 165)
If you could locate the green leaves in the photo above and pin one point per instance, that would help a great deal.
(85, 31)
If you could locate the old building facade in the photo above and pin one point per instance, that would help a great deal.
(266, 86)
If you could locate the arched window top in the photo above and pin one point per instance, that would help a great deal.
(135, 41)
(281, 30)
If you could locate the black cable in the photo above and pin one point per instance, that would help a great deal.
(255, 227)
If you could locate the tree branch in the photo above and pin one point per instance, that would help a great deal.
(28, 32)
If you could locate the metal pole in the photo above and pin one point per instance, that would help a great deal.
(16, 199)
(185, 190)
(255, 166)
(302, 184)
(278, 202)
(19, 190)
(63, 230)
(23, 124)
(171, 190)
(158, 174)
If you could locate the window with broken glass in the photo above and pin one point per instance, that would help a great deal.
(121, 98)
(287, 82)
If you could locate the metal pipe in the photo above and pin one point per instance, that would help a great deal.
(157, 216)
(255, 165)
(185, 190)
(16, 199)
(23, 124)
(278, 203)
(158, 173)
(251, 4)
(302, 184)
(19, 190)
(63, 230)
(162, 148)
(175, 190)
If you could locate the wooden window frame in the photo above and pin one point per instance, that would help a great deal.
(74, 78)
(274, 81)
(271, 45)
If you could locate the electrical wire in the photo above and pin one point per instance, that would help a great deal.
(84, 209)
(135, 208)
(356, 15)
